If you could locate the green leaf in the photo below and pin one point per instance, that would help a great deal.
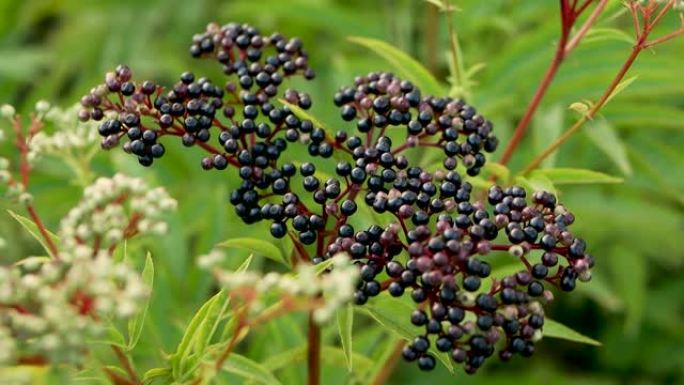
(553, 329)
(323, 266)
(156, 373)
(536, 182)
(257, 246)
(303, 114)
(601, 292)
(580, 107)
(602, 34)
(201, 330)
(546, 127)
(249, 369)
(497, 169)
(345, 325)
(630, 275)
(621, 87)
(185, 347)
(394, 314)
(405, 66)
(386, 349)
(575, 176)
(330, 355)
(111, 336)
(502, 272)
(135, 325)
(35, 232)
(245, 265)
(603, 135)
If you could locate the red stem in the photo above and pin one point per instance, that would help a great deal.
(383, 375)
(592, 112)
(25, 170)
(539, 94)
(314, 352)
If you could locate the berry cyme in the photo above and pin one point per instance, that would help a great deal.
(440, 229)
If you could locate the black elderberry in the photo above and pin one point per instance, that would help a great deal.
(535, 289)
(395, 289)
(408, 353)
(278, 229)
(426, 362)
(420, 344)
(471, 283)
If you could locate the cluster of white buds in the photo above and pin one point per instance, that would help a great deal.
(5, 174)
(70, 136)
(113, 209)
(50, 310)
(333, 289)
(7, 111)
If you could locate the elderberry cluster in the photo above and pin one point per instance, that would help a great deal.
(447, 236)
(434, 250)
(381, 100)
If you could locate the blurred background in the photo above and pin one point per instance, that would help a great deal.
(57, 50)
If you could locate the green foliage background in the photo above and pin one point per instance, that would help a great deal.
(58, 49)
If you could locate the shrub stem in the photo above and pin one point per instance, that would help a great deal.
(565, 45)
(314, 352)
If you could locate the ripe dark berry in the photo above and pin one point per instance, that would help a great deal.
(420, 344)
(348, 113)
(157, 150)
(409, 354)
(539, 271)
(426, 362)
(278, 229)
(471, 283)
(348, 207)
(395, 289)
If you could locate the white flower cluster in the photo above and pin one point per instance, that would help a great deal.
(51, 310)
(69, 135)
(335, 288)
(113, 209)
(5, 174)
(7, 111)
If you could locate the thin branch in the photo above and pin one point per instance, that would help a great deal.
(126, 364)
(635, 20)
(383, 375)
(539, 94)
(586, 26)
(22, 143)
(660, 15)
(664, 38)
(241, 324)
(589, 115)
(569, 15)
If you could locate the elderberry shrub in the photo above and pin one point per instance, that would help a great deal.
(435, 248)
